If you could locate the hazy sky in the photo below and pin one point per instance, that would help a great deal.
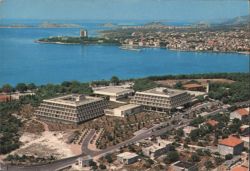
(179, 10)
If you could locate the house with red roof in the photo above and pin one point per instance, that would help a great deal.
(231, 145)
(193, 87)
(240, 168)
(4, 98)
(212, 122)
(241, 114)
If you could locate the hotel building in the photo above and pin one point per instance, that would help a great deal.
(161, 99)
(72, 108)
(114, 93)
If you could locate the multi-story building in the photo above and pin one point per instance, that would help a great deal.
(161, 99)
(113, 92)
(241, 114)
(230, 145)
(72, 108)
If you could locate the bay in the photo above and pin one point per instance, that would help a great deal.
(23, 60)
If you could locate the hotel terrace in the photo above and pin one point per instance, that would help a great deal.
(72, 108)
(161, 99)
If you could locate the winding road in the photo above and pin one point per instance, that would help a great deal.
(154, 131)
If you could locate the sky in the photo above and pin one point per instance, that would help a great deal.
(176, 10)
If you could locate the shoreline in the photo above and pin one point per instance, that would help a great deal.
(140, 47)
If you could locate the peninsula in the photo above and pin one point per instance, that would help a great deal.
(82, 39)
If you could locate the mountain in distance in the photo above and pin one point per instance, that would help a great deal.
(241, 20)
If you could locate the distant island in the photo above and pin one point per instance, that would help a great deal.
(41, 25)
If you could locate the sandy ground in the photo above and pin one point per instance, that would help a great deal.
(49, 143)
(172, 82)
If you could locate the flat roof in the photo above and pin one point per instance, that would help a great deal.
(112, 90)
(127, 155)
(159, 145)
(73, 100)
(162, 91)
(128, 106)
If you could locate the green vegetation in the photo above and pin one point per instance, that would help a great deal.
(31, 159)
(144, 84)
(226, 92)
(172, 156)
(9, 126)
(115, 80)
(78, 40)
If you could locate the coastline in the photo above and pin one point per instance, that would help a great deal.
(139, 47)
(180, 50)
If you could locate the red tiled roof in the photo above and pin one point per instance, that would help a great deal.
(192, 85)
(4, 98)
(242, 112)
(239, 168)
(212, 122)
(231, 141)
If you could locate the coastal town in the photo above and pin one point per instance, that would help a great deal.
(200, 38)
(165, 124)
(124, 85)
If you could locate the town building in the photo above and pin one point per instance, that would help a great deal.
(127, 158)
(157, 149)
(245, 130)
(124, 110)
(240, 168)
(231, 145)
(241, 114)
(193, 87)
(18, 95)
(114, 93)
(161, 99)
(184, 166)
(4, 98)
(188, 129)
(84, 161)
(212, 122)
(72, 108)
(246, 141)
(83, 33)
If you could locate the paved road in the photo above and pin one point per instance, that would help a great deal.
(150, 132)
(155, 130)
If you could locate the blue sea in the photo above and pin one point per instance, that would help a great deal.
(23, 60)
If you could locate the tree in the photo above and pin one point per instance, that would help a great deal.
(178, 85)
(102, 166)
(31, 86)
(7, 88)
(109, 159)
(218, 160)
(228, 156)
(180, 132)
(21, 87)
(114, 80)
(143, 84)
(172, 156)
(195, 157)
(208, 164)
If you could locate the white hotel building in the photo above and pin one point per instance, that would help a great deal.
(161, 99)
(72, 108)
